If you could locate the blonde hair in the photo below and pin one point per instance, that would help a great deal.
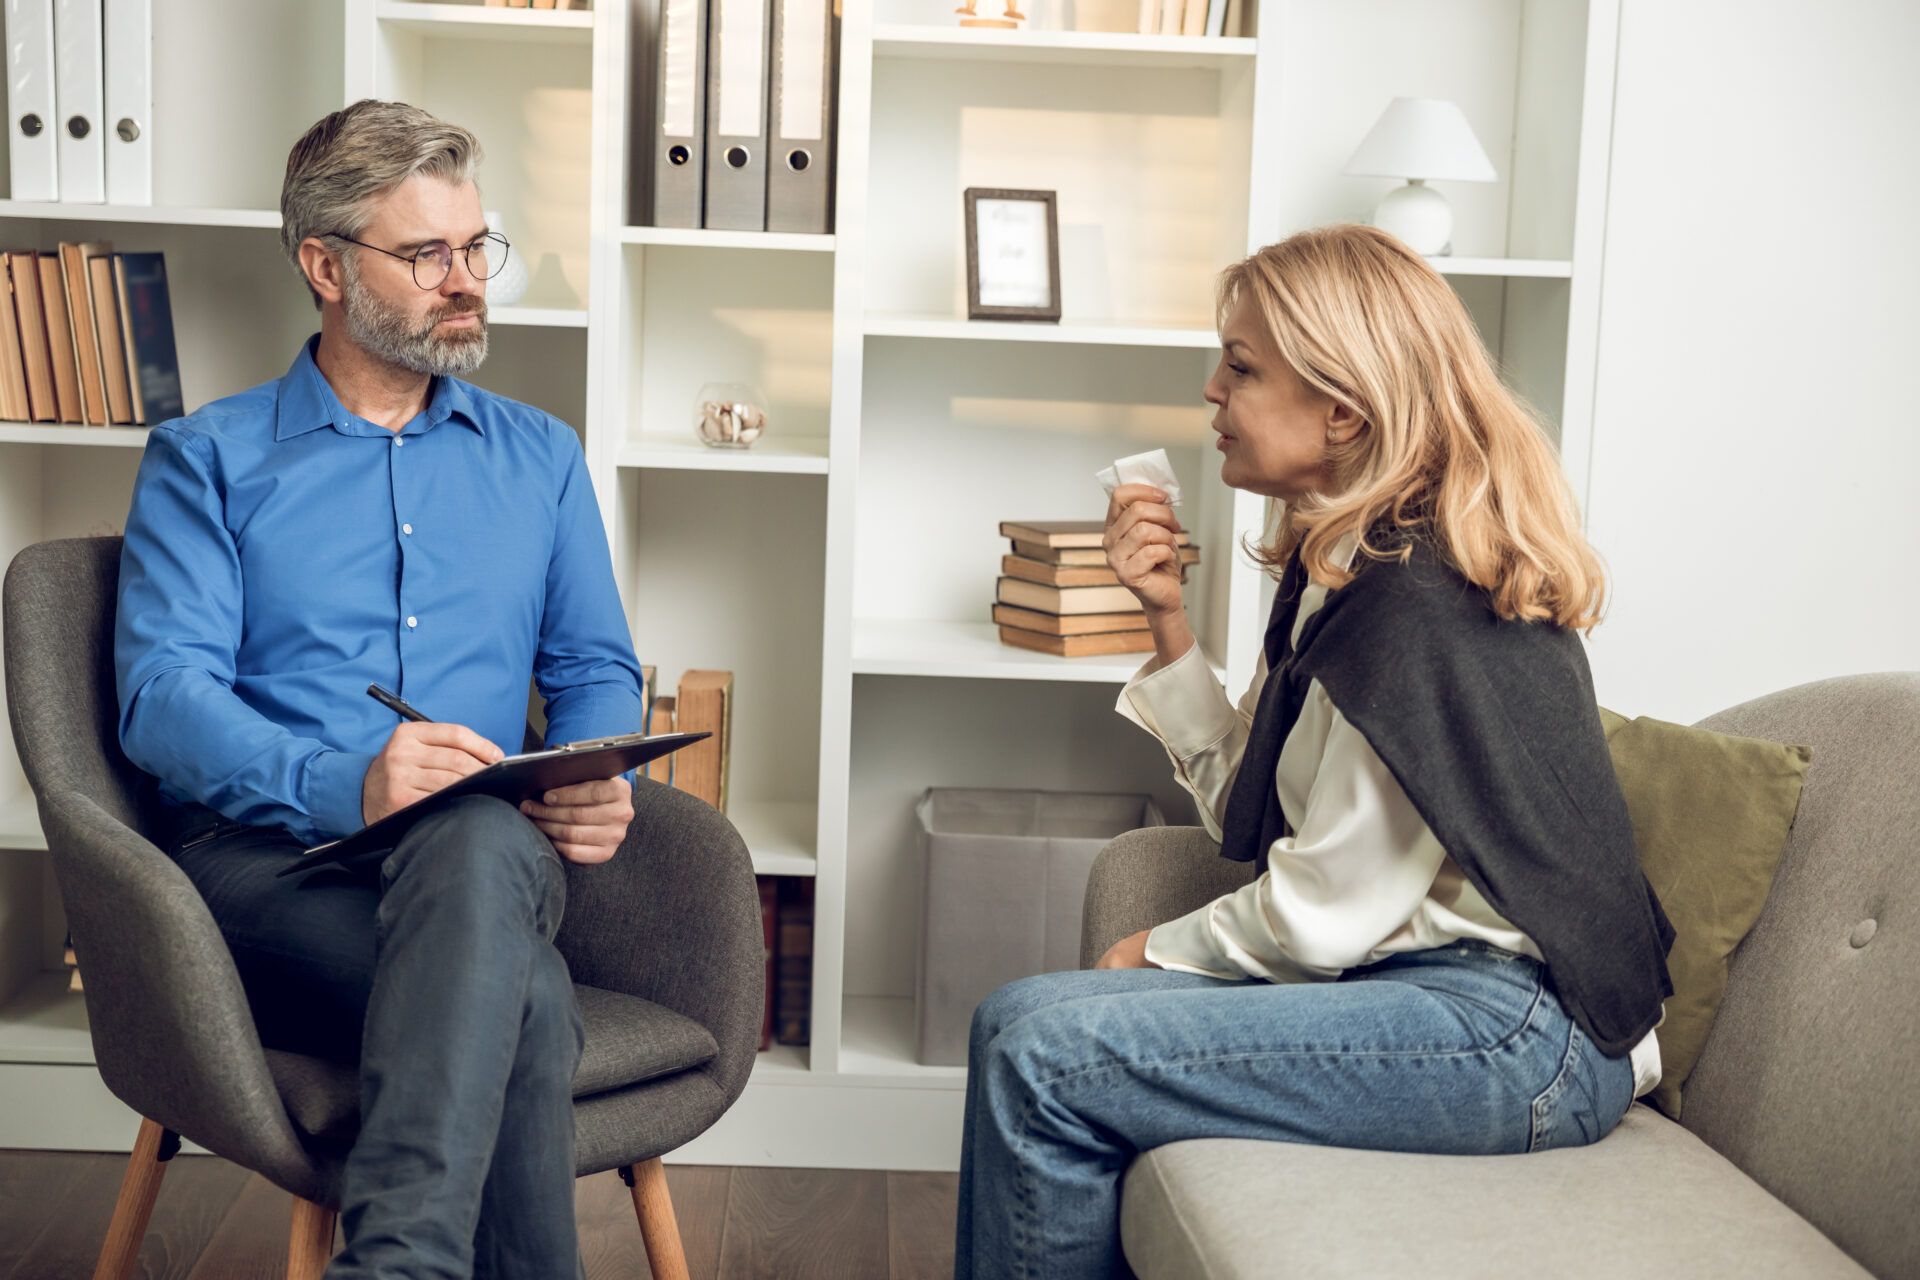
(350, 158)
(1445, 449)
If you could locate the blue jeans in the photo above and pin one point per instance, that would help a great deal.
(439, 977)
(1462, 1049)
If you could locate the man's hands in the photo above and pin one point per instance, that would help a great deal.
(586, 821)
(1128, 953)
(419, 759)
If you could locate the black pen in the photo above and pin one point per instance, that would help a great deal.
(394, 702)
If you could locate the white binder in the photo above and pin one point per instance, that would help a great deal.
(737, 37)
(800, 150)
(127, 123)
(680, 114)
(77, 88)
(32, 114)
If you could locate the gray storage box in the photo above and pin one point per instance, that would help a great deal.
(1006, 878)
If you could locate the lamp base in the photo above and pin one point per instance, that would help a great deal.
(1418, 215)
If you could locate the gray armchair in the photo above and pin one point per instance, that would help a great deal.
(663, 941)
(1800, 1127)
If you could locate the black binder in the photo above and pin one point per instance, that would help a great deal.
(513, 779)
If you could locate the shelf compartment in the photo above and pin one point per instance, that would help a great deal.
(474, 22)
(702, 238)
(1079, 332)
(877, 1039)
(972, 650)
(20, 823)
(1088, 48)
(782, 835)
(805, 455)
(46, 1023)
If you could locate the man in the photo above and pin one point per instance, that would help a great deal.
(371, 518)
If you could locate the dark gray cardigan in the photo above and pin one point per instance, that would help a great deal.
(1491, 728)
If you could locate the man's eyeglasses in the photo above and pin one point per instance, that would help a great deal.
(433, 262)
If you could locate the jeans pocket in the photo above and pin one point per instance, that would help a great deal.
(1547, 1104)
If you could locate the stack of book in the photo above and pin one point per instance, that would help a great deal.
(1058, 596)
(86, 336)
(704, 702)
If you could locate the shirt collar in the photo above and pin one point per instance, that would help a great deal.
(307, 401)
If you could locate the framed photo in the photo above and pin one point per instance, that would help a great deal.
(1013, 255)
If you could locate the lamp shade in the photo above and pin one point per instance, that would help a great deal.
(1421, 139)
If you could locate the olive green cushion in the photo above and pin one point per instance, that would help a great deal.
(1711, 813)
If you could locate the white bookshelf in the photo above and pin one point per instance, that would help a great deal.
(844, 567)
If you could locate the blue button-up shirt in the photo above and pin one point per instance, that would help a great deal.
(281, 554)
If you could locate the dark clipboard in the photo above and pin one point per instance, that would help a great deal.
(512, 779)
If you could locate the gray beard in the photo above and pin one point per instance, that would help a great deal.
(389, 333)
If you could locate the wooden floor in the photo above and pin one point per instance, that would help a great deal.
(216, 1221)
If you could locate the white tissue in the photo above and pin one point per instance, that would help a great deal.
(1151, 468)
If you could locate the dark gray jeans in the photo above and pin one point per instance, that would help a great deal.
(440, 978)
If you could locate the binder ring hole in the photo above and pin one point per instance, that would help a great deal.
(737, 157)
(30, 125)
(798, 159)
(79, 127)
(678, 154)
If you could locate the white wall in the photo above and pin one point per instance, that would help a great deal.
(1756, 448)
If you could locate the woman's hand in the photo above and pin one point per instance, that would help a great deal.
(1142, 548)
(1128, 953)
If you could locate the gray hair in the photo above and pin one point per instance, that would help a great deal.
(356, 155)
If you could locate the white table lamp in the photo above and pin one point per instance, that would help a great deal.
(1420, 139)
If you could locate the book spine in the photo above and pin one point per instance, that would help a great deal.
(793, 1008)
(705, 706)
(660, 719)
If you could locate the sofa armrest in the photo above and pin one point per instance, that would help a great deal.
(674, 917)
(1148, 877)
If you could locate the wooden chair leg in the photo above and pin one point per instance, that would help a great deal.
(658, 1227)
(152, 1149)
(310, 1244)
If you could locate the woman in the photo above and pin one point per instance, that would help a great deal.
(1448, 946)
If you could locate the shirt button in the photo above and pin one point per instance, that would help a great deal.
(412, 621)
(399, 442)
(406, 528)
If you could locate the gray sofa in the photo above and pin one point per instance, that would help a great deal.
(1799, 1155)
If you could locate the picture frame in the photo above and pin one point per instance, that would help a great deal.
(1013, 255)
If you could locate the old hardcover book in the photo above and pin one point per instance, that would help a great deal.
(146, 325)
(660, 720)
(1058, 575)
(66, 370)
(793, 962)
(705, 704)
(13, 369)
(1189, 553)
(1085, 624)
(1063, 533)
(43, 403)
(86, 333)
(113, 351)
(1063, 600)
(1079, 646)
